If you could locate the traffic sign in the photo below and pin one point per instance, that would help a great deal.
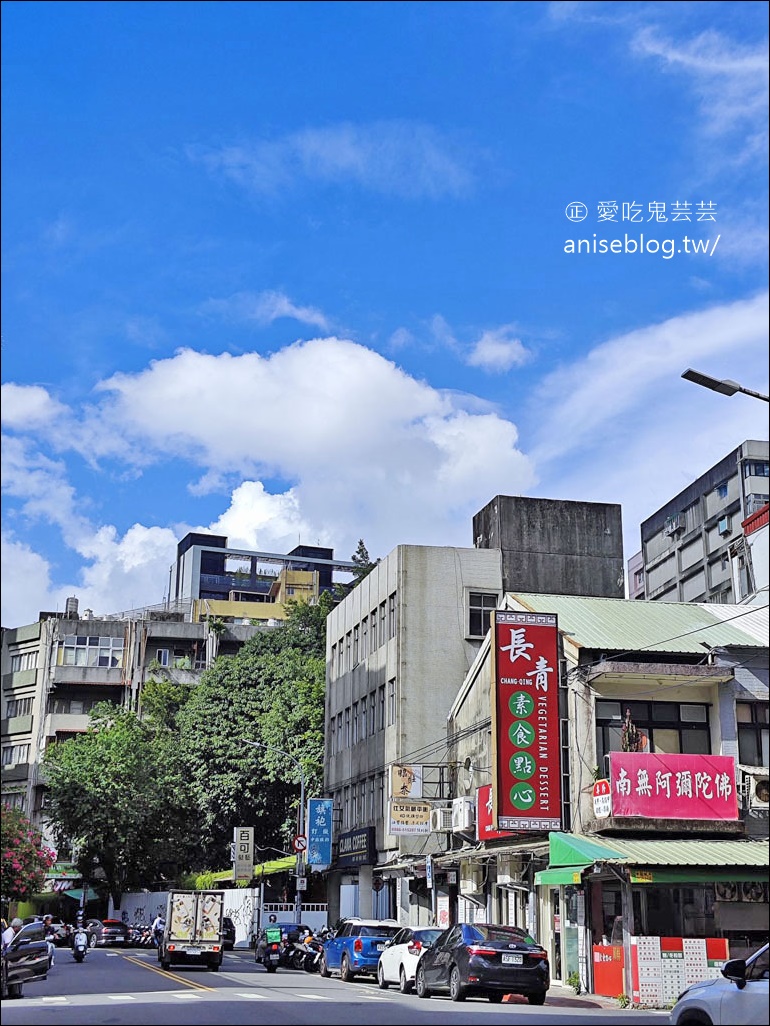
(299, 843)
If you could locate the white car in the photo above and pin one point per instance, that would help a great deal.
(398, 961)
(740, 996)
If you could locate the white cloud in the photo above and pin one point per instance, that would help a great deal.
(399, 158)
(29, 406)
(26, 588)
(498, 350)
(263, 308)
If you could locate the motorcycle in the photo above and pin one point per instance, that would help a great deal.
(314, 951)
(79, 944)
(269, 950)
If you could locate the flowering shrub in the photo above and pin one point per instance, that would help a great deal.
(25, 859)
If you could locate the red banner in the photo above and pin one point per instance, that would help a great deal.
(525, 702)
(659, 786)
(485, 823)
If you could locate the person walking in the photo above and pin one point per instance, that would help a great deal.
(50, 933)
(10, 933)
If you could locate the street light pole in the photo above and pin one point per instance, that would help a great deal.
(300, 865)
(723, 385)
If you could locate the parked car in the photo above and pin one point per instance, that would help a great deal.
(740, 995)
(485, 960)
(228, 933)
(25, 960)
(61, 928)
(398, 961)
(105, 933)
(356, 947)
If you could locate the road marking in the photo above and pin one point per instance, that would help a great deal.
(52, 1000)
(121, 997)
(168, 975)
(253, 997)
(186, 996)
(314, 997)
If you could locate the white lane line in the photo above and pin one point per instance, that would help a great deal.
(121, 997)
(313, 997)
(59, 999)
(253, 997)
(187, 996)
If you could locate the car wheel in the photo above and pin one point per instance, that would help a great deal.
(495, 999)
(15, 990)
(695, 1019)
(404, 985)
(165, 964)
(382, 983)
(423, 991)
(346, 973)
(213, 967)
(325, 971)
(536, 999)
(456, 989)
(271, 968)
(92, 941)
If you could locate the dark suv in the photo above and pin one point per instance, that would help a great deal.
(228, 933)
(106, 932)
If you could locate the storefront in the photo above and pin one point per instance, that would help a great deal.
(644, 918)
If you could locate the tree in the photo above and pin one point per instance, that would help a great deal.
(119, 792)
(363, 562)
(25, 859)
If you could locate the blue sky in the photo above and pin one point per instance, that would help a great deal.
(302, 272)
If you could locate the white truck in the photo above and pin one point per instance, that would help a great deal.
(192, 934)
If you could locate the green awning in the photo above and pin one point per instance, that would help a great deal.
(563, 875)
(577, 850)
(76, 893)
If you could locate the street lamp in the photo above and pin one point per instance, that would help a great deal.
(725, 386)
(300, 865)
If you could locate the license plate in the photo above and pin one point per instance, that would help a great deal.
(380, 947)
(194, 951)
(513, 960)
(274, 958)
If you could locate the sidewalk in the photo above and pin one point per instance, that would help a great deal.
(565, 997)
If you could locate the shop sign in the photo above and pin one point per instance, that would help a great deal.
(405, 781)
(356, 848)
(525, 709)
(409, 817)
(243, 863)
(659, 786)
(319, 831)
(485, 824)
(602, 799)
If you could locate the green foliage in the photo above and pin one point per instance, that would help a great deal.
(120, 791)
(162, 700)
(623, 1000)
(363, 562)
(573, 980)
(25, 860)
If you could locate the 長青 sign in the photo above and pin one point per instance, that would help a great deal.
(525, 709)
(660, 786)
(485, 824)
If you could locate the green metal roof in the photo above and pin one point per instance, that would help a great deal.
(624, 625)
(572, 850)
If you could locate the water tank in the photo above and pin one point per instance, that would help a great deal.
(71, 608)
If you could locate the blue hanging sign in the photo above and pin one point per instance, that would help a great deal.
(319, 831)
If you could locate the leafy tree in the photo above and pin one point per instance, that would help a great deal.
(363, 562)
(119, 792)
(162, 700)
(25, 859)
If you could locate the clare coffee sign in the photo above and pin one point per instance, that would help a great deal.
(660, 786)
(525, 706)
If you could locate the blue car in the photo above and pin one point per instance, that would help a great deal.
(356, 948)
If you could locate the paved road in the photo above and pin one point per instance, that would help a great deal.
(128, 988)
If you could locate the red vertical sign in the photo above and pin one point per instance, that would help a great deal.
(525, 702)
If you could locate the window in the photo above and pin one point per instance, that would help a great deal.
(15, 800)
(364, 637)
(373, 631)
(346, 807)
(721, 490)
(348, 646)
(347, 728)
(12, 755)
(23, 661)
(753, 733)
(371, 817)
(372, 713)
(333, 662)
(18, 707)
(480, 605)
(362, 704)
(354, 804)
(355, 723)
(86, 650)
(72, 706)
(391, 702)
(392, 616)
(665, 727)
(751, 469)
(162, 656)
(383, 625)
(355, 644)
(333, 738)
(381, 707)
(340, 737)
(380, 796)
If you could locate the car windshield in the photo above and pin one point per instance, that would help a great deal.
(379, 931)
(427, 937)
(502, 934)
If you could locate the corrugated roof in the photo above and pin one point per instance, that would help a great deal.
(582, 849)
(625, 625)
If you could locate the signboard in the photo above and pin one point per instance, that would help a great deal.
(429, 872)
(602, 799)
(485, 824)
(299, 843)
(405, 781)
(525, 712)
(406, 817)
(356, 848)
(660, 786)
(319, 831)
(243, 867)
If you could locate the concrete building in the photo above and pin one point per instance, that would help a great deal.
(554, 546)
(687, 543)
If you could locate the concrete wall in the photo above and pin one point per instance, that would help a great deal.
(554, 546)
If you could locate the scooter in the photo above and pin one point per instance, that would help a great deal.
(79, 944)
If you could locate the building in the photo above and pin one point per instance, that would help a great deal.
(688, 544)
(245, 585)
(641, 793)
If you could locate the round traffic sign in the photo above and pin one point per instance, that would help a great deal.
(299, 843)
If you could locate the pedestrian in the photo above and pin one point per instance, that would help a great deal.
(49, 933)
(158, 926)
(10, 933)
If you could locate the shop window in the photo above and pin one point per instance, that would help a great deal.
(753, 733)
(668, 727)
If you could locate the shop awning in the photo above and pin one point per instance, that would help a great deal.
(261, 869)
(667, 861)
(76, 893)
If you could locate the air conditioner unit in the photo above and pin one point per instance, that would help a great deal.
(724, 525)
(674, 524)
(756, 787)
(463, 815)
(508, 869)
(471, 878)
(440, 820)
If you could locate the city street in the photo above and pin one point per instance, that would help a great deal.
(126, 988)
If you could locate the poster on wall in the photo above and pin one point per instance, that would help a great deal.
(525, 710)
(663, 786)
